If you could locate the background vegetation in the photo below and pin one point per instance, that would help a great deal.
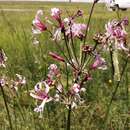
(32, 61)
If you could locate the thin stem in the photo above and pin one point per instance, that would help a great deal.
(62, 51)
(84, 63)
(73, 47)
(127, 101)
(86, 32)
(6, 106)
(116, 88)
(66, 43)
(90, 16)
(69, 118)
(67, 74)
(112, 65)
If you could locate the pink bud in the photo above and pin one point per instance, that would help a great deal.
(56, 56)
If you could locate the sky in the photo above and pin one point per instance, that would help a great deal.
(54, 0)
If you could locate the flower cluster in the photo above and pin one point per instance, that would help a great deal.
(67, 26)
(77, 68)
(66, 29)
(115, 33)
(42, 90)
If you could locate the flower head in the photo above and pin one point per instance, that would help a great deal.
(77, 30)
(99, 63)
(75, 88)
(53, 72)
(55, 13)
(38, 25)
(41, 91)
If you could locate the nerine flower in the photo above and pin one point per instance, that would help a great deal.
(38, 25)
(55, 13)
(77, 30)
(53, 71)
(75, 88)
(116, 30)
(99, 63)
(125, 21)
(41, 92)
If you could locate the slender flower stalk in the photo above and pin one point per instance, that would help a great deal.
(86, 33)
(115, 90)
(73, 47)
(112, 65)
(69, 118)
(68, 50)
(6, 106)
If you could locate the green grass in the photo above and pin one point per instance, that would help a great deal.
(15, 39)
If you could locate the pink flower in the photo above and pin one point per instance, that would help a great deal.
(55, 13)
(41, 91)
(75, 88)
(125, 21)
(77, 30)
(114, 29)
(40, 108)
(119, 33)
(38, 25)
(99, 63)
(53, 71)
(56, 56)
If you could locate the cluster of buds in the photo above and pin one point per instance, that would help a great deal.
(100, 38)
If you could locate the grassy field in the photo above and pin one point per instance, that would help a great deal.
(32, 62)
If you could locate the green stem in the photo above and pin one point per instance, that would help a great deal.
(112, 65)
(73, 47)
(6, 106)
(115, 90)
(86, 32)
(69, 118)
(67, 47)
